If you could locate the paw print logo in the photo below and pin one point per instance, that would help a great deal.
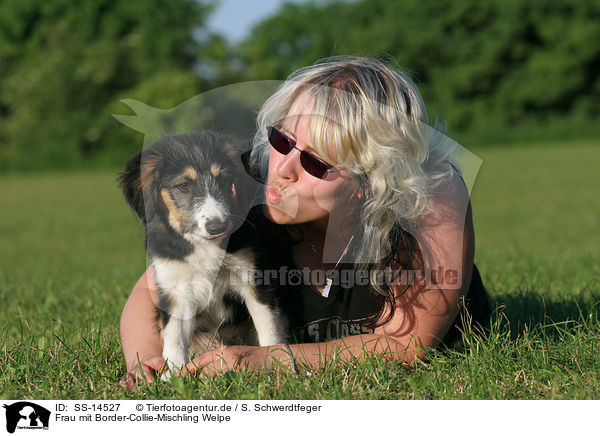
(294, 277)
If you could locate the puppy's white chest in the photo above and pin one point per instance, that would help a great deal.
(191, 284)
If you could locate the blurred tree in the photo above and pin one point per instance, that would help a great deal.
(64, 64)
(485, 66)
(296, 36)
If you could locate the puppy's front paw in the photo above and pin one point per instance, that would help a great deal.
(166, 377)
(174, 365)
(171, 371)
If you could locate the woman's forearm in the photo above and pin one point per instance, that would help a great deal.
(139, 337)
(350, 348)
(354, 348)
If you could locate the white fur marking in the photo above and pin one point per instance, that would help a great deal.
(210, 209)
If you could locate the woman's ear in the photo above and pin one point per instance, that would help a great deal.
(356, 187)
(363, 191)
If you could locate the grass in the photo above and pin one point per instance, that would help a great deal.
(71, 251)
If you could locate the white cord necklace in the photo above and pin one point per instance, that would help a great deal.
(328, 279)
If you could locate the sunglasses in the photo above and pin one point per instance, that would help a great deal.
(311, 163)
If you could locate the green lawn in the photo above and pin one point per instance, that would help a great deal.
(71, 251)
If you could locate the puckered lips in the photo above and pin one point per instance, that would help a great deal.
(273, 194)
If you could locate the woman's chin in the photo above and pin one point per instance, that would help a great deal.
(277, 214)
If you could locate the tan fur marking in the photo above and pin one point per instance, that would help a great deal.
(215, 169)
(148, 173)
(191, 173)
(175, 216)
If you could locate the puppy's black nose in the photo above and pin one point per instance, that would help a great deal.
(216, 226)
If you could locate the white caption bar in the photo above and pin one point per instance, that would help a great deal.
(151, 417)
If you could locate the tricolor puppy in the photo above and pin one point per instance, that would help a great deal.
(187, 190)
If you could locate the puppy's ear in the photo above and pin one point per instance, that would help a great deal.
(230, 148)
(240, 187)
(139, 184)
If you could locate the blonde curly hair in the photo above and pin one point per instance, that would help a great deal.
(371, 120)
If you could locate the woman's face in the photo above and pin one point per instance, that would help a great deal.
(294, 196)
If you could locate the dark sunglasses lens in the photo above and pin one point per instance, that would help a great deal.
(279, 141)
(313, 166)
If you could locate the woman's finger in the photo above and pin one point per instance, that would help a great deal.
(197, 364)
(207, 364)
(127, 382)
(157, 363)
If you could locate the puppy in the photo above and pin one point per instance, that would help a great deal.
(188, 191)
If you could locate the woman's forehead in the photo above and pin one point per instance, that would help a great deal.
(296, 124)
(301, 110)
(306, 116)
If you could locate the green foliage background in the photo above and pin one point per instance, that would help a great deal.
(485, 67)
(65, 65)
(497, 72)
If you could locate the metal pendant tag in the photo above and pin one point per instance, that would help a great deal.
(327, 287)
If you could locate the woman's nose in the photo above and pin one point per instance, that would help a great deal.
(288, 164)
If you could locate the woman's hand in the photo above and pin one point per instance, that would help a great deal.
(146, 370)
(223, 359)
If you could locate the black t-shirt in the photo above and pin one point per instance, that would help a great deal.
(313, 317)
(351, 300)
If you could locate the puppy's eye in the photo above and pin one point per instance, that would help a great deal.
(184, 187)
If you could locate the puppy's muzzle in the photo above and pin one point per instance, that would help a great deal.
(217, 228)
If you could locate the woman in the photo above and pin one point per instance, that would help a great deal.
(364, 202)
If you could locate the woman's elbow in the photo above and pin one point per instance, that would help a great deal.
(411, 350)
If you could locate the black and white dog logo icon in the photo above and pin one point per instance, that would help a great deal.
(26, 415)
